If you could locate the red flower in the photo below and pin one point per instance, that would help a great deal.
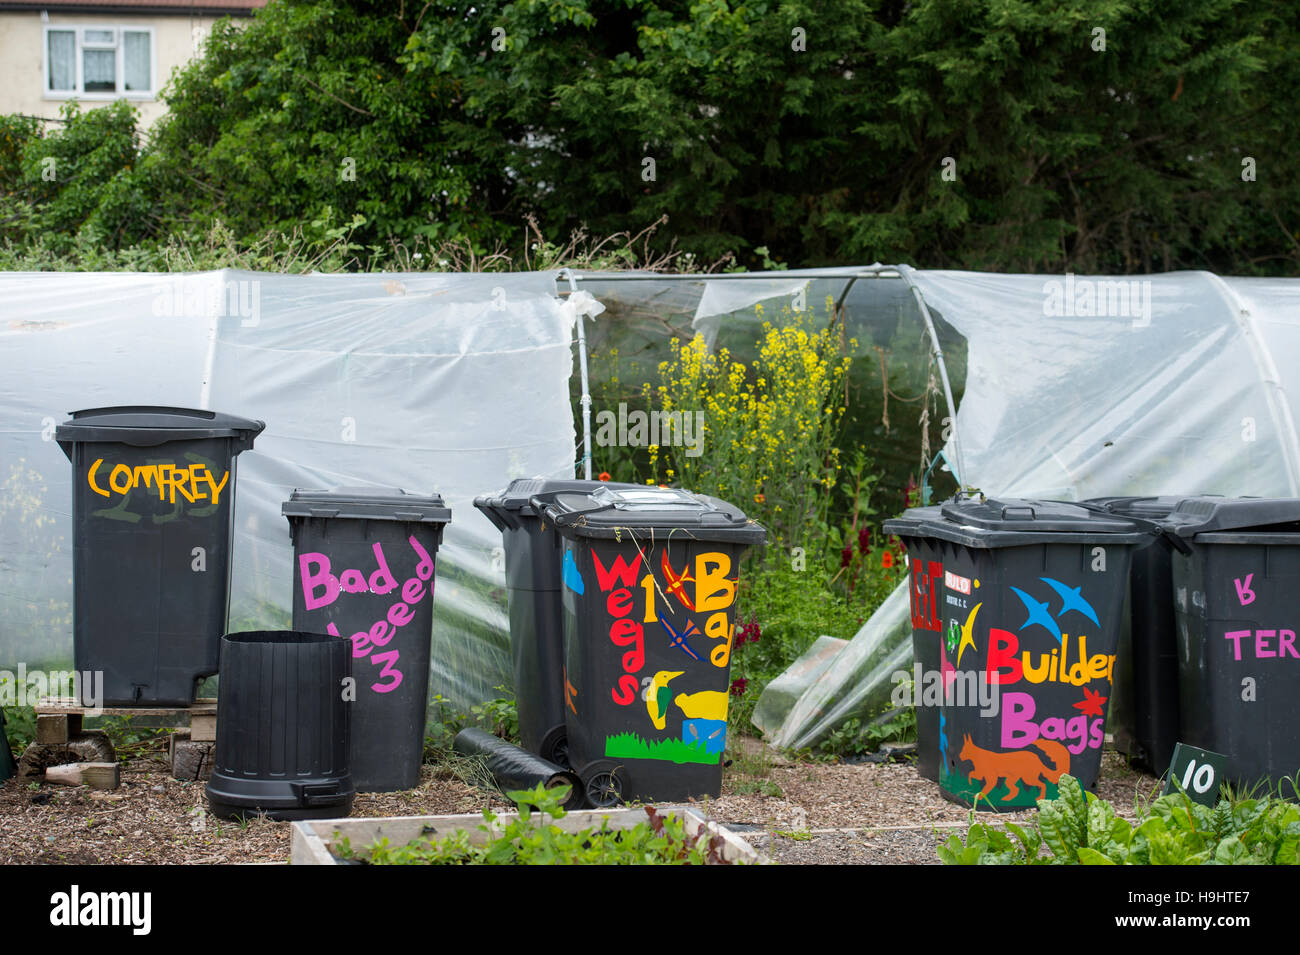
(738, 686)
(604, 475)
(864, 540)
(886, 560)
(846, 555)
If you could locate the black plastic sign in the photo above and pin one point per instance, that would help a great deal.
(1197, 771)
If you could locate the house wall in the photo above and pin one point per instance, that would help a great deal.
(22, 58)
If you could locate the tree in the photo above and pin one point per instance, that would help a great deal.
(1090, 135)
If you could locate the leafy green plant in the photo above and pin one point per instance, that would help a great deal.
(532, 838)
(20, 726)
(1078, 828)
(499, 716)
(854, 738)
(131, 738)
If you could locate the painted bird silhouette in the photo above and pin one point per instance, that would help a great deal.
(657, 696)
(1038, 614)
(703, 705)
(678, 640)
(1071, 599)
(968, 633)
(675, 582)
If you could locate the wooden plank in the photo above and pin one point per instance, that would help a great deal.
(59, 705)
(94, 775)
(203, 726)
(307, 848)
(53, 728)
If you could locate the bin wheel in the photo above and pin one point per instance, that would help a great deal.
(555, 747)
(560, 753)
(604, 789)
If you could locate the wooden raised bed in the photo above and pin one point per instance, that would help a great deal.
(311, 839)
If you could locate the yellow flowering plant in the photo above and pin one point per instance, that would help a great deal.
(769, 426)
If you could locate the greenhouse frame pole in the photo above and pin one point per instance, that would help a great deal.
(906, 272)
(586, 391)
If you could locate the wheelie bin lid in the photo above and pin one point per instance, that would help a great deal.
(985, 522)
(147, 426)
(912, 522)
(504, 507)
(608, 513)
(1151, 508)
(368, 503)
(1196, 517)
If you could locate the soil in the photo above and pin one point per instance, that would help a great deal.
(797, 812)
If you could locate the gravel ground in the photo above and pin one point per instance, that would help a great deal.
(882, 813)
(800, 813)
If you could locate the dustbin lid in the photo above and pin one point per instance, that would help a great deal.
(608, 513)
(1014, 522)
(912, 522)
(367, 503)
(519, 493)
(147, 426)
(1149, 508)
(1198, 515)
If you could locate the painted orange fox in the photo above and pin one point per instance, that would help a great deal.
(1019, 767)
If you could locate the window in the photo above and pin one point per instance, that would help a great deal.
(99, 62)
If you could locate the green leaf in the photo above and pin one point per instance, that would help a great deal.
(1089, 856)
(1231, 851)
(1288, 846)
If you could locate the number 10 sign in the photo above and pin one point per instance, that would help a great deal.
(1197, 772)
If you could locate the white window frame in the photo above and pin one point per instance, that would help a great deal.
(78, 29)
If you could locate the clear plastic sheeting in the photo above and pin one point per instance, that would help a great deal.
(1088, 386)
(780, 695)
(857, 683)
(434, 383)
(1092, 386)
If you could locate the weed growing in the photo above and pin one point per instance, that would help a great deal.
(532, 838)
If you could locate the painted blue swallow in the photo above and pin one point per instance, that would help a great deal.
(1072, 599)
(1038, 614)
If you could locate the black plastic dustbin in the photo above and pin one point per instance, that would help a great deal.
(363, 568)
(925, 588)
(1032, 594)
(649, 583)
(1144, 699)
(532, 564)
(153, 493)
(1237, 618)
(282, 727)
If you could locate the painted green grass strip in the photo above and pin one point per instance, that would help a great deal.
(631, 746)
